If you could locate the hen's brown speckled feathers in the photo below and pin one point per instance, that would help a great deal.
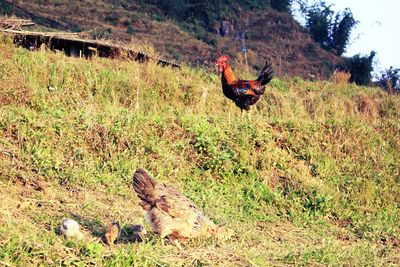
(170, 213)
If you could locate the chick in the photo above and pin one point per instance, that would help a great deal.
(70, 228)
(112, 233)
(138, 233)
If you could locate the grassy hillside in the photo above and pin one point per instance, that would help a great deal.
(186, 32)
(311, 176)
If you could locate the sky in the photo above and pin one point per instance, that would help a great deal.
(378, 29)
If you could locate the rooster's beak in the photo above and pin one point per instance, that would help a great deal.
(218, 68)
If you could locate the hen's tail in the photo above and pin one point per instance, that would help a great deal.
(266, 74)
(144, 187)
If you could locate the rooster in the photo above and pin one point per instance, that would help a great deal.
(243, 93)
(171, 214)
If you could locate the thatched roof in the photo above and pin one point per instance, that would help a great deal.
(68, 42)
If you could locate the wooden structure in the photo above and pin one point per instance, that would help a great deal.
(74, 45)
(13, 23)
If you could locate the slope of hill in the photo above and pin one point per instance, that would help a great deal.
(190, 35)
(310, 177)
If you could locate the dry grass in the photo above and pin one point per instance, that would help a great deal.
(367, 106)
(340, 77)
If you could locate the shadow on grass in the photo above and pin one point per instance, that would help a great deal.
(94, 226)
(129, 233)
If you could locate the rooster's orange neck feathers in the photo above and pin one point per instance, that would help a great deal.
(229, 76)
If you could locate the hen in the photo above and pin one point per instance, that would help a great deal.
(244, 93)
(171, 214)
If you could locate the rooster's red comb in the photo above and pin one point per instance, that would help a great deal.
(223, 58)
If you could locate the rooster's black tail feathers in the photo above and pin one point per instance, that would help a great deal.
(266, 74)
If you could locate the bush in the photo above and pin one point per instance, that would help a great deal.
(206, 13)
(390, 80)
(130, 29)
(360, 68)
(281, 5)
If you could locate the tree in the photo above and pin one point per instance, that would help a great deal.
(318, 23)
(281, 5)
(341, 30)
(360, 68)
(390, 80)
(329, 30)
